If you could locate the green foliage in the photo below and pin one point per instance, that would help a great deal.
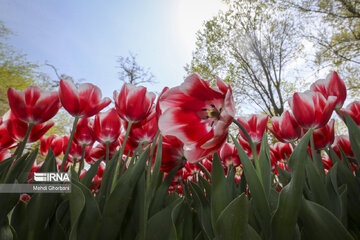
(301, 204)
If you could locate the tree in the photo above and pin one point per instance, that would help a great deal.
(18, 72)
(337, 37)
(250, 46)
(132, 72)
(15, 70)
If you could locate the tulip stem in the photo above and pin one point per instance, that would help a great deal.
(253, 149)
(107, 152)
(69, 144)
(317, 160)
(121, 153)
(20, 149)
(203, 168)
(82, 160)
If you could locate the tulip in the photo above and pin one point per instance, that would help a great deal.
(83, 134)
(285, 128)
(107, 126)
(34, 168)
(83, 101)
(324, 136)
(172, 153)
(280, 152)
(33, 105)
(197, 115)
(18, 129)
(6, 140)
(331, 86)
(328, 164)
(4, 154)
(342, 142)
(312, 109)
(145, 130)
(77, 152)
(25, 197)
(133, 103)
(157, 106)
(229, 155)
(55, 142)
(255, 126)
(353, 109)
(99, 151)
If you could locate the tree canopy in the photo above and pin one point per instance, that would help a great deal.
(251, 46)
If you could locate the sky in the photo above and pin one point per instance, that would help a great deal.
(83, 38)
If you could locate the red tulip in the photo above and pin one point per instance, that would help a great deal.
(353, 109)
(25, 197)
(312, 109)
(107, 126)
(17, 128)
(157, 107)
(145, 130)
(255, 126)
(328, 164)
(229, 155)
(197, 115)
(75, 153)
(83, 134)
(55, 142)
(285, 128)
(6, 140)
(133, 103)
(172, 153)
(280, 152)
(33, 105)
(34, 168)
(342, 142)
(99, 151)
(324, 136)
(4, 154)
(331, 86)
(83, 101)
(247, 148)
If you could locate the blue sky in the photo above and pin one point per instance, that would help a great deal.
(83, 38)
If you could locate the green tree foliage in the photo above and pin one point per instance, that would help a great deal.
(15, 70)
(18, 72)
(251, 46)
(337, 37)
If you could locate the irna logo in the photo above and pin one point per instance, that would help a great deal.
(52, 177)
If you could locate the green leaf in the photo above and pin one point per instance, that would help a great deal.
(19, 219)
(284, 220)
(23, 176)
(317, 186)
(256, 189)
(4, 168)
(160, 226)
(220, 192)
(42, 206)
(90, 174)
(90, 215)
(202, 206)
(354, 135)
(116, 204)
(62, 221)
(320, 223)
(77, 203)
(107, 180)
(265, 166)
(233, 220)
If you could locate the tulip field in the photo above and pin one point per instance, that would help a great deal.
(168, 167)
